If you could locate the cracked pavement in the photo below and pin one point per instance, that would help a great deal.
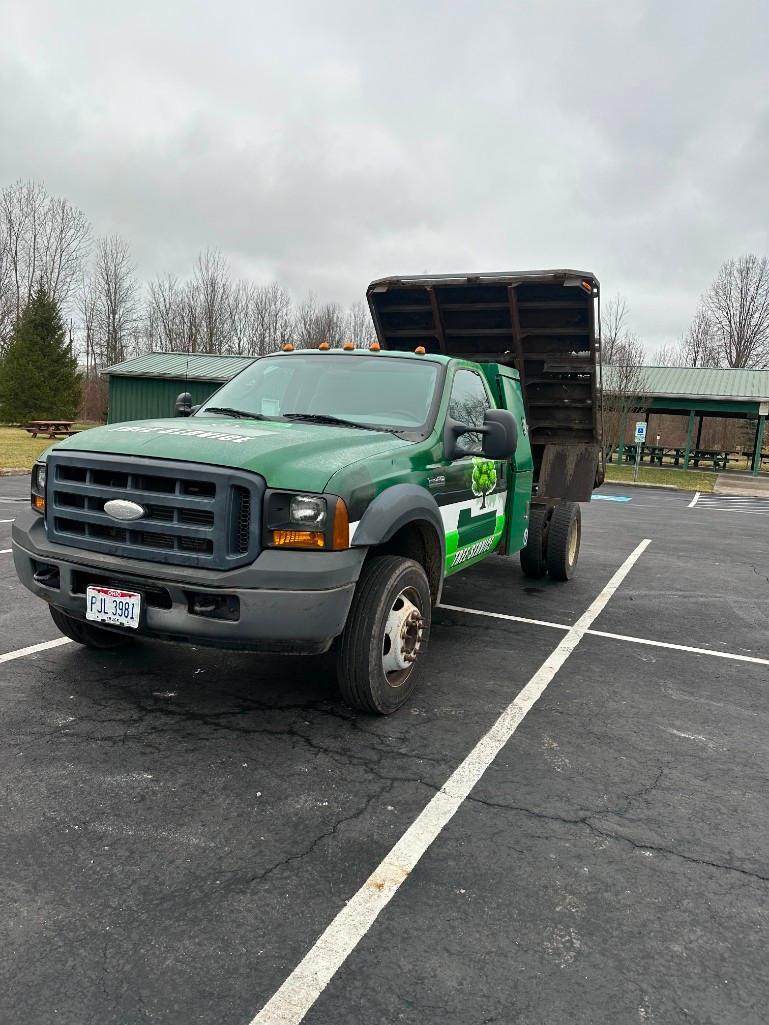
(179, 825)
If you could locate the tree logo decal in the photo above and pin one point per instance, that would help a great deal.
(484, 478)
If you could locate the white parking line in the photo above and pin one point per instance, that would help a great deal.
(22, 652)
(503, 615)
(6, 521)
(681, 647)
(694, 500)
(5, 551)
(612, 636)
(296, 996)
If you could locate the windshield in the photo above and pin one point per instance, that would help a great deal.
(369, 390)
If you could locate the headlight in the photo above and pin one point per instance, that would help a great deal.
(38, 487)
(39, 477)
(309, 511)
(318, 522)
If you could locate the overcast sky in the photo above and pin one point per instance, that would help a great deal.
(327, 143)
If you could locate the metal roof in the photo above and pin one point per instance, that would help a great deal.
(177, 365)
(701, 383)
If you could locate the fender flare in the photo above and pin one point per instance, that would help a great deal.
(393, 509)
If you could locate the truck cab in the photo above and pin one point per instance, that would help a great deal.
(320, 498)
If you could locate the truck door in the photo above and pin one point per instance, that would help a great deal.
(470, 490)
(519, 501)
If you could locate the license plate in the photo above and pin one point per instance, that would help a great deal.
(118, 608)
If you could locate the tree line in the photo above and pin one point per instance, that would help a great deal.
(112, 314)
(46, 241)
(106, 313)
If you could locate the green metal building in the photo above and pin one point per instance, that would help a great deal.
(147, 386)
(701, 392)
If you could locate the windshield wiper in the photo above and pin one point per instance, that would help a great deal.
(334, 421)
(240, 414)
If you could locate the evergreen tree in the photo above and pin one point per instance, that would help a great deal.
(39, 376)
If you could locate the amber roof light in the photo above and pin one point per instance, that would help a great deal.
(324, 346)
(288, 347)
(420, 350)
(348, 346)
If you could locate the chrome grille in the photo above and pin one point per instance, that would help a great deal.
(194, 514)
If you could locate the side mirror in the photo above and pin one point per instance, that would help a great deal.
(499, 433)
(183, 404)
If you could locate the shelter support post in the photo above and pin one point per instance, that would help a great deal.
(621, 442)
(689, 432)
(760, 426)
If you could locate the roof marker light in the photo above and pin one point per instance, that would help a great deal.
(348, 346)
(375, 347)
(324, 346)
(420, 350)
(288, 347)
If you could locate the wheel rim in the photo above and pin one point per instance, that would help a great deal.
(572, 547)
(402, 641)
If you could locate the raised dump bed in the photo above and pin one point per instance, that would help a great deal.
(542, 323)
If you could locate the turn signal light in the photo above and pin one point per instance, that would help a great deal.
(298, 539)
(340, 533)
(38, 502)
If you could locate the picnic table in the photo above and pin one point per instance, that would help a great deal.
(677, 454)
(53, 428)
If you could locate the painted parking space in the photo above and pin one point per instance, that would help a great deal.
(184, 825)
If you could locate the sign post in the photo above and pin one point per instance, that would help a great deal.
(640, 438)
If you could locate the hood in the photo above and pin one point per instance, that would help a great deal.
(288, 455)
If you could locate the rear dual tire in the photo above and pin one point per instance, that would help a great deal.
(552, 544)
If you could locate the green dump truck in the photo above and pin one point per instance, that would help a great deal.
(320, 498)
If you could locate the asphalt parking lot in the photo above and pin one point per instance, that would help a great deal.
(182, 826)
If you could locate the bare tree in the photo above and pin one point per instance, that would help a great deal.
(669, 356)
(41, 239)
(116, 299)
(63, 242)
(7, 298)
(359, 327)
(623, 391)
(275, 317)
(614, 328)
(699, 345)
(737, 304)
(305, 322)
(212, 287)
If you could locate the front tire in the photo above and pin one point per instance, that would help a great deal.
(383, 644)
(86, 633)
(563, 541)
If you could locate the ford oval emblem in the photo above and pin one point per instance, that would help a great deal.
(120, 509)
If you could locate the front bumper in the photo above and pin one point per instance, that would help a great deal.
(284, 601)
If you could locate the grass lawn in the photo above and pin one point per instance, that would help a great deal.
(19, 450)
(685, 480)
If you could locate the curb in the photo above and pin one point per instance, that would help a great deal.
(643, 484)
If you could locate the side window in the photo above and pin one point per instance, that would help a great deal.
(468, 404)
